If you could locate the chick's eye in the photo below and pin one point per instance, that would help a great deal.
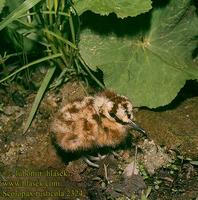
(112, 115)
(128, 114)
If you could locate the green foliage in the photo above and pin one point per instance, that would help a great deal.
(148, 65)
(145, 194)
(24, 7)
(2, 3)
(47, 30)
(192, 162)
(122, 8)
(47, 58)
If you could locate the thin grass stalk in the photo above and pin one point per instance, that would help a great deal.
(2, 62)
(61, 78)
(31, 64)
(64, 59)
(60, 38)
(50, 9)
(53, 47)
(55, 6)
(6, 57)
(90, 73)
(71, 24)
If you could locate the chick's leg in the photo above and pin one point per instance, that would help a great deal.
(91, 159)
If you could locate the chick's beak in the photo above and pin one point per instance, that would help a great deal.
(136, 127)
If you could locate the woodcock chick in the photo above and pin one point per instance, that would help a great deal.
(94, 121)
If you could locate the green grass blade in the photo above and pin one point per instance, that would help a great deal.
(2, 4)
(72, 29)
(55, 5)
(15, 14)
(46, 12)
(30, 64)
(60, 38)
(39, 96)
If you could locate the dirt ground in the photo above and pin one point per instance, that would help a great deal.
(160, 165)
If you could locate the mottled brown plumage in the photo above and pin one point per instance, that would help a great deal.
(95, 121)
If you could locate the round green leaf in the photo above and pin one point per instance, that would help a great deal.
(150, 69)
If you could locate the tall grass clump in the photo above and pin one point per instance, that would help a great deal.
(40, 31)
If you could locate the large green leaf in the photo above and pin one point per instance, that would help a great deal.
(122, 8)
(2, 3)
(153, 67)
